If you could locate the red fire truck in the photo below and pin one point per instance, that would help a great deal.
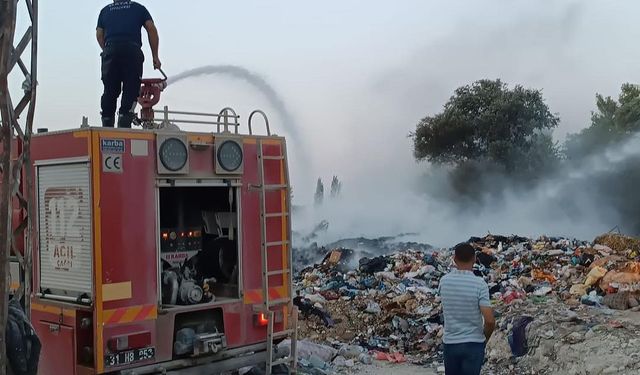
(158, 250)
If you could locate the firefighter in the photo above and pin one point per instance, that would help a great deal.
(119, 34)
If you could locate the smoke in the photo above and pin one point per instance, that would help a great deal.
(579, 199)
(376, 95)
(266, 89)
(386, 193)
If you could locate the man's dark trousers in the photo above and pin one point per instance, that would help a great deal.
(463, 359)
(121, 73)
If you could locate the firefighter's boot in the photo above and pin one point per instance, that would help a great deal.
(108, 122)
(125, 120)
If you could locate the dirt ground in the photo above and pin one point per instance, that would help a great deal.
(385, 368)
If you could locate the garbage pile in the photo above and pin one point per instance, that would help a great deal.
(384, 303)
(307, 251)
(549, 290)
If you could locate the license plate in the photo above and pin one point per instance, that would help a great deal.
(130, 356)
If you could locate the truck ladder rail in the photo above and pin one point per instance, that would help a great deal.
(285, 245)
(225, 119)
(266, 121)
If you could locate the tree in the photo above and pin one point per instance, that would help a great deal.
(336, 187)
(319, 197)
(612, 122)
(487, 121)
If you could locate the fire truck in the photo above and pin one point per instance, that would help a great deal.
(161, 250)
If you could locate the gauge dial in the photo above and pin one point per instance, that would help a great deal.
(230, 156)
(173, 154)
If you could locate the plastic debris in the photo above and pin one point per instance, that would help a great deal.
(373, 308)
(518, 337)
(307, 307)
(545, 291)
(391, 357)
(595, 275)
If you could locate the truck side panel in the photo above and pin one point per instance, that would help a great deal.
(125, 238)
(55, 322)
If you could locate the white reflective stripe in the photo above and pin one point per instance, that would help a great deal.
(64, 227)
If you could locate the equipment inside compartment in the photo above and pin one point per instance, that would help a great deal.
(198, 244)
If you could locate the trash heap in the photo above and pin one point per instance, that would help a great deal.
(308, 252)
(388, 308)
(575, 271)
(549, 337)
(386, 304)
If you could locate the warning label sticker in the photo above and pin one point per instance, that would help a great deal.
(112, 146)
(112, 163)
(177, 258)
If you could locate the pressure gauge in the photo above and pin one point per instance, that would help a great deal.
(229, 155)
(173, 154)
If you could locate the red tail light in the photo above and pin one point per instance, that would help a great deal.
(261, 320)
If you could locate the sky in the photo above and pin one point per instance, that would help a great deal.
(356, 75)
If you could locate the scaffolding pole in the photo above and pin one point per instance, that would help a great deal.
(16, 171)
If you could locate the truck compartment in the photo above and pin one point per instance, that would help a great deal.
(199, 333)
(198, 245)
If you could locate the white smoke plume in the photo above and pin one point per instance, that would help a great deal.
(363, 139)
(384, 189)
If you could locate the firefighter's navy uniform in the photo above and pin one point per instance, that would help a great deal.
(122, 59)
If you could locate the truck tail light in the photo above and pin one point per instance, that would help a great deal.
(118, 344)
(262, 319)
(133, 341)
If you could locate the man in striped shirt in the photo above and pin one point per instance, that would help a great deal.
(468, 315)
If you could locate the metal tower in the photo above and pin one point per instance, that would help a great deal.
(15, 164)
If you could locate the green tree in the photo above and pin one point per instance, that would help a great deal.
(487, 121)
(612, 122)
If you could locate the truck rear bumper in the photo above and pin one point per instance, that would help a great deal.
(228, 360)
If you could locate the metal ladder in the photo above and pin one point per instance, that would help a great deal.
(291, 317)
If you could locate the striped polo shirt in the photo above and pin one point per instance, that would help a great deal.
(462, 294)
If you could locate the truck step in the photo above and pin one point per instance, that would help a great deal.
(283, 361)
(276, 214)
(281, 334)
(274, 187)
(273, 158)
(276, 243)
(277, 302)
(278, 272)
